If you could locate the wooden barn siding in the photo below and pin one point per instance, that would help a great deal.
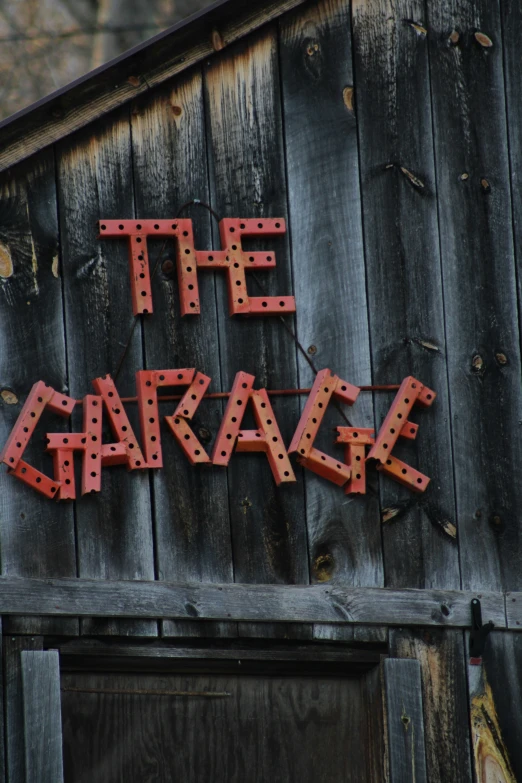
(95, 180)
(37, 537)
(247, 178)
(329, 277)
(405, 299)
(273, 81)
(436, 297)
(190, 504)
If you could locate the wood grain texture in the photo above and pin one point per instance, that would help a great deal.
(495, 690)
(190, 504)
(248, 602)
(513, 611)
(114, 527)
(14, 706)
(42, 716)
(375, 741)
(483, 350)
(3, 767)
(160, 58)
(405, 722)
(37, 537)
(511, 25)
(329, 277)
(247, 180)
(442, 659)
(405, 300)
(283, 652)
(264, 728)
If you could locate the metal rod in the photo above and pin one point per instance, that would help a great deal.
(118, 691)
(270, 392)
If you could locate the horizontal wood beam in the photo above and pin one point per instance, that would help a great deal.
(514, 611)
(249, 603)
(310, 653)
(133, 73)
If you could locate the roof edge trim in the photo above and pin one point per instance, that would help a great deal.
(131, 74)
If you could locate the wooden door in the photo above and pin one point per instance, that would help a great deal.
(261, 727)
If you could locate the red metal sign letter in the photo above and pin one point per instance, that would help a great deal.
(266, 439)
(137, 232)
(324, 387)
(395, 425)
(235, 261)
(40, 397)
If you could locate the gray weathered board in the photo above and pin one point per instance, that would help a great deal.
(405, 721)
(247, 602)
(42, 716)
(365, 128)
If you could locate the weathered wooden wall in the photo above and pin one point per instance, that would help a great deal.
(401, 253)
(387, 134)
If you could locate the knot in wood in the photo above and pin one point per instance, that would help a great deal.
(453, 38)
(324, 567)
(9, 397)
(477, 363)
(484, 40)
(348, 98)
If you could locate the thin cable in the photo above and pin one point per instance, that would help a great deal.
(197, 203)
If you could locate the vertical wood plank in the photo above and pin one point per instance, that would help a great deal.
(511, 25)
(248, 180)
(482, 329)
(3, 769)
(405, 298)
(495, 693)
(190, 503)
(114, 527)
(14, 712)
(42, 716)
(329, 276)
(403, 688)
(36, 535)
(375, 737)
(442, 658)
